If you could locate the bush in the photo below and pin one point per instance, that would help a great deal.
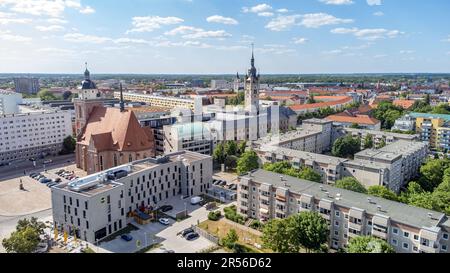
(257, 225)
(231, 214)
(214, 215)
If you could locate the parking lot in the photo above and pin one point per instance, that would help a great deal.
(168, 236)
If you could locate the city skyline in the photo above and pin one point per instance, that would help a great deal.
(214, 37)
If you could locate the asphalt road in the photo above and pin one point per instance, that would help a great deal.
(17, 169)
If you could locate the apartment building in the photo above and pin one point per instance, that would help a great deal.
(265, 195)
(101, 204)
(377, 136)
(162, 101)
(9, 102)
(33, 133)
(427, 126)
(391, 166)
(194, 137)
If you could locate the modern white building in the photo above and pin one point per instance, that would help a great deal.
(406, 123)
(9, 102)
(101, 204)
(33, 133)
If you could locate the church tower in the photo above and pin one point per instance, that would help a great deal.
(252, 88)
(88, 98)
(237, 83)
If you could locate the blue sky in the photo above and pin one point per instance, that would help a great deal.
(214, 36)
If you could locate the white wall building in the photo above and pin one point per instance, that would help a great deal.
(9, 102)
(33, 133)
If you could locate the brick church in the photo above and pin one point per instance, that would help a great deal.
(107, 136)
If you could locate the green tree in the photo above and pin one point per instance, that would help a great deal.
(46, 95)
(241, 147)
(368, 244)
(22, 241)
(231, 161)
(432, 173)
(69, 145)
(219, 153)
(346, 146)
(351, 184)
(276, 235)
(230, 239)
(278, 167)
(355, 126)
(309, 174)
(66, 95)
(368, 142)
(33, 223)
(230, 148)
(381, 144)
(247, 162)
(382, 192)
(311, 99)
(309, 230)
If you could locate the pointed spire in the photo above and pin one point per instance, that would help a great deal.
(122, 104)
(253, 55)
(87, 74)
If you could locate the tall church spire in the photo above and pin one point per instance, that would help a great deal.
(253, 56)
(122, 103)
(87, 74)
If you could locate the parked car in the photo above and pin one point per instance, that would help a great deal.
(48, 161)
(45, 180)
(38, 177)
(126, 237)
(186, 232)
(51, 184)
(57, 180)
(192, 236)
(196, 200)
(222, 183)
(164, 221)
(233, 187)
(33, 175)
(166, 208)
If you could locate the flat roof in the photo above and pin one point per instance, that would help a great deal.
(374, 132)
(302, 155)
(399, 212)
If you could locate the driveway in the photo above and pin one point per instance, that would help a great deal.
(167, 236)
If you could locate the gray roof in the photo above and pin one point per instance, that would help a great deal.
(399, 212)
(320, 158)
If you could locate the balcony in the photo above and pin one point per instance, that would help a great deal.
(428, 249)
(264, 197)
(355, 226)
(379, 234)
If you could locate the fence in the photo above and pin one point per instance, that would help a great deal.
(206, 234)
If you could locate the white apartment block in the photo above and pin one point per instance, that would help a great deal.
(101, 204)
(33, 133)
(377, 136)
(265, 195)
(162, 101)
(392, 166)
(222, 85)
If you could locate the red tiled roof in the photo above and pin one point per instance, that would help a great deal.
(358, 119)
(405, 104)
(112, 130)
(343, 100)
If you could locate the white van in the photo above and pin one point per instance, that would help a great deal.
(196, 200)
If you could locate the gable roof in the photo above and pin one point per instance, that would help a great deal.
(110, 129)
(405, 104)
(359, 119)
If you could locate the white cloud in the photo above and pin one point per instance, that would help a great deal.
(222, 20)
(7, 36)
(150, 23)
(407, 51)
(282, 22)
(312, 20)
(276, 49)
(266, 14)
(50, 28)
(52, 8)
(337, 2)
(369, 34)
(56, 21)
(332, 52)
(315, 20)
(374, 2)
(189, 32)
(57, 51)
(378, 13)
(282, 10)
(87, 10)
(257, 9)
(83, 38)
(131, 41)
(447, 39)
(300, 41)
(379, 56)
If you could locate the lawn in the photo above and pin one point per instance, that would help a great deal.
(221, 228)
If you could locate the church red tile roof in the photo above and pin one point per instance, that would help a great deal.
(112, 130)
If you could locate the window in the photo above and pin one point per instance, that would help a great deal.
(406, 234)
(394, 242)
(445, 236)
(337, 213)
(416, 237)
(405, 245)
(336, 223)
(444, 247)
(395, 230)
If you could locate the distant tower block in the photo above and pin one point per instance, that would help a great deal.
(252, 87)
